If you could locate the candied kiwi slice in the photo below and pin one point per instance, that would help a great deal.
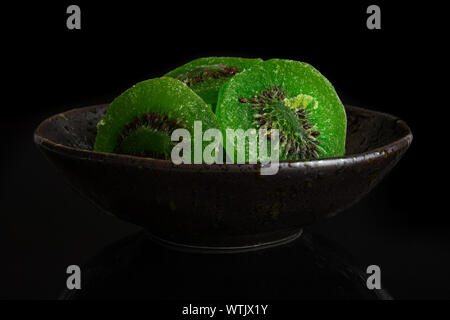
(205, 76)
(141, 120)
(292, 97)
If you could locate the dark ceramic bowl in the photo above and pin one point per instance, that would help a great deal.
(222, 206)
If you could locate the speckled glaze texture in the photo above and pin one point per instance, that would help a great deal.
(222, 205)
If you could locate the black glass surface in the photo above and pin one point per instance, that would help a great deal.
(310, 267)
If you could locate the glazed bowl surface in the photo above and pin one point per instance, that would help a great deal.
(218, 205)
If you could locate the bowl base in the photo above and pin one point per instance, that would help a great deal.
(226, 249)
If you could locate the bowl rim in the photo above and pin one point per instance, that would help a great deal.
(82, 154)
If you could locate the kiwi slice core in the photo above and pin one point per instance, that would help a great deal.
(148, 136)
(204, 73)
(298, 138)
(205, 76)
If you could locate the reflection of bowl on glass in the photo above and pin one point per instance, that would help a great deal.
(223, 205)
(309, 268)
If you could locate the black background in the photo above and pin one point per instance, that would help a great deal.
(45, 226)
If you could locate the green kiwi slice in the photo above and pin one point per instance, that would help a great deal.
(205, 76)
(141, 120)
(292, 97)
